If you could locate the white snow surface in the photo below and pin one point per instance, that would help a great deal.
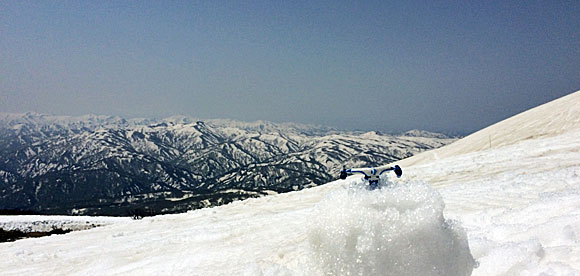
(551, 119)
(508, 209)
(338, 229)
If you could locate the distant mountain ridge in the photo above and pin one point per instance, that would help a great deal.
(108, 165)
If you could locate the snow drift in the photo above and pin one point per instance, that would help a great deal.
(396, 230)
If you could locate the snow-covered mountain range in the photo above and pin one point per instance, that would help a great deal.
(111, 166)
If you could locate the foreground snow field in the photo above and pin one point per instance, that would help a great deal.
(520, 204)
(517, 203)
(301, 233)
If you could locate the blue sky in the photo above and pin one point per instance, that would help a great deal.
(451, 66)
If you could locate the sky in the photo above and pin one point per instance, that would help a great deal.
(446, 66)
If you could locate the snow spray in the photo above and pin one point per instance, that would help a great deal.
(398, 229)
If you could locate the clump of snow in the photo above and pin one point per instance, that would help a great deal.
(396, 230)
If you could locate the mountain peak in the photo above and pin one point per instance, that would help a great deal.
(424, 133)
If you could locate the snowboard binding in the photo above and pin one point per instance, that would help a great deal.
(371, 174)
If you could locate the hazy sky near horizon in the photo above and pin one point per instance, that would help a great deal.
(451, 66)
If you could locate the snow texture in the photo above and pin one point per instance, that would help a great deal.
(396, 230)
(344, 229)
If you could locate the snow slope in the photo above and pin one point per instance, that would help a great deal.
(517, 203)
(520, 204)
(301, 233)
(556, 117)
